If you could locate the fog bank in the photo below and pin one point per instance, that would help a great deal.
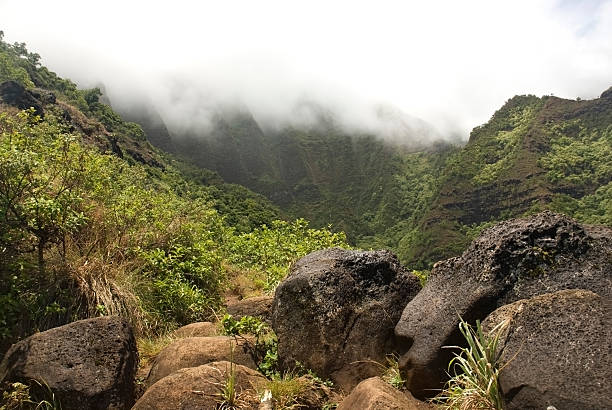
(450, 64)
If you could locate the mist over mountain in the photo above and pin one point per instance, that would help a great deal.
(442, 62)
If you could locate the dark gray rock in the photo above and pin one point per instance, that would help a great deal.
(556, 351)
(336, 311)
(88, 364)
(15, 94)
(513, 260)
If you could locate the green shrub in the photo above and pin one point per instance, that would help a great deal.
(273, 249)
(265, 350)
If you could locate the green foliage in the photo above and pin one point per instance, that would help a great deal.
(422, 275)
(273, 249)
(37, 395)
(265, 350)
(579, 155)
(228, 394)
(9, 70)
(110, 119)
(115, 239)
(476, 370)
(392, 374)
(184, 281)
(287, 390)
(42, 179)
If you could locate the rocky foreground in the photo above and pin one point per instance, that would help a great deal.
(341, 313)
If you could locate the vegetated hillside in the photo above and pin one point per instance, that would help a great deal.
(534, 153)
(96, 221)
(427, 202)
(355, 182)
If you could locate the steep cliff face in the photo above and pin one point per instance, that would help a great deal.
(152, 124)
(234, 147)
(534, 153)
(426, 202)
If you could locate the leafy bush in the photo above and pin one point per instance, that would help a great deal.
(272, 250)
(265, 350)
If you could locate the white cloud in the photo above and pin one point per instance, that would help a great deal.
(451, 63)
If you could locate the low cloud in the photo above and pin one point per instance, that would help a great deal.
(371, 63)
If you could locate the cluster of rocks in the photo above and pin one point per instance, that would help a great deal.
(341, 313)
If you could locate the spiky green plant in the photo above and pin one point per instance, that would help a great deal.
(476, 370)
(228, 394)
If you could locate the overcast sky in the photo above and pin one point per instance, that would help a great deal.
(451, 63)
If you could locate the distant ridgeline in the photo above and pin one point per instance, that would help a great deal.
(427, 202)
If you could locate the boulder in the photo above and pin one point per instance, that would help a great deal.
(375, 394)
(196, 351)
(513, 260)
(258, 306)
(15, 94)
(556, 351)
(88, 364)
(198, 329)
(200, 388)
(336, 310)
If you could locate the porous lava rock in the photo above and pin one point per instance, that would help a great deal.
(88, 364)
(336, 310)
(555, 351)
(513, 260)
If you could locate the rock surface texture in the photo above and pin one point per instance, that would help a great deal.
(375, 394)
(513, 260)
(336, 310)
(196, 351)
(200, 388)
(197, 329)
(258, 306)
(88, 364)
(556, 351)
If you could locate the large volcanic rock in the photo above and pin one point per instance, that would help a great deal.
(336, 311)
(89, 364)
(513, 260)
(556, 351)
(15, 94)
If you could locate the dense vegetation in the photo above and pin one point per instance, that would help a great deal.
(95, 220)
(427, 203)
(87, 229)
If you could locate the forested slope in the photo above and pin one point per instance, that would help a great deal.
(96, 221)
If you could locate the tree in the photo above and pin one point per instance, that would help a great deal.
(41, 181)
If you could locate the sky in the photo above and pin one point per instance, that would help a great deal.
(450, 63)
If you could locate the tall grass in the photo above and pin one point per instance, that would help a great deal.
(476, 370)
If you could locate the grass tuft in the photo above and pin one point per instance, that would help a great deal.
(476, 370)
(392, 374)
